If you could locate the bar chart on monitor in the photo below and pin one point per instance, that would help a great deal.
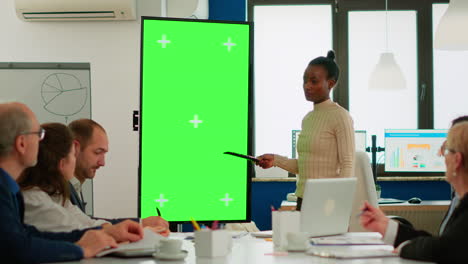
(414, 150)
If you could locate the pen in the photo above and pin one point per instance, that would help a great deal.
(272, 208)
(195, 224)
(159, 212)
(363, 211)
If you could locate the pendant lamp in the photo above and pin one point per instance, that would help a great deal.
(451, 32)
(387, 75)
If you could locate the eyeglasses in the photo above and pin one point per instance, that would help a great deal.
(445, 151)
(40, 133)
(441, 150)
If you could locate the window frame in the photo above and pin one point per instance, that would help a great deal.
(425, 64)
(340, 44)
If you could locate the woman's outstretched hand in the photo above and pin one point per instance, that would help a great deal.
(266, 160)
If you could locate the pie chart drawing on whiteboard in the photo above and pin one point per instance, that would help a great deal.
(63, 94)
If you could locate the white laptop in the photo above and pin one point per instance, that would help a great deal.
(326, 206)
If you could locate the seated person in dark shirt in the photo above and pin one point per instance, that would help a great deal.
(453, 195)
(20, 243)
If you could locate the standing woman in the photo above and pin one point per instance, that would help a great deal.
(326, 143)
(45, 186)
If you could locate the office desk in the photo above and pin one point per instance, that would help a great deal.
(249, 250)
(439, 206)
(425, 216)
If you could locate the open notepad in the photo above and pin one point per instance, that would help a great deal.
(148, 243)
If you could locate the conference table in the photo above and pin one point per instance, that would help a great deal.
(250, 250)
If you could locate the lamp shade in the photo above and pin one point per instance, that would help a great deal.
(387, 75)
(451, 33)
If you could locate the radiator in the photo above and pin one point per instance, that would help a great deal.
(426, 216)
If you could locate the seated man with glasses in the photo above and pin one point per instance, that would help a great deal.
(40, 133)
(21, 243)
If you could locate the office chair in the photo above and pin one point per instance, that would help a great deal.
(365, 189)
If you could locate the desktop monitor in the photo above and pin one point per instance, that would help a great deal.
(414, 150)
(195, 104)
(327, 206)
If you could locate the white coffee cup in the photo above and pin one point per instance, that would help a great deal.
(297, 241)
(170, 246)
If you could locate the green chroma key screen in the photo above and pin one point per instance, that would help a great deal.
(195, 105)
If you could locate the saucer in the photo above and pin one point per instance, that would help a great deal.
(165, 256)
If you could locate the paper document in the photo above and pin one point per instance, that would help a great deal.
(346, 240)
(263, 234)
(149, 241)
(352, 254)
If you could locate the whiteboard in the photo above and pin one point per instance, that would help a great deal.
(56, 92)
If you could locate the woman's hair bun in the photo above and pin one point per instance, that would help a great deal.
(331, 55)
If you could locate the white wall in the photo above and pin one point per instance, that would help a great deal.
(112, 49)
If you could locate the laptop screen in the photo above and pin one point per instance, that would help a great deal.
(326, 206)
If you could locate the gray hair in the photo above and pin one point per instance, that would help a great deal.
(457, 140)
(13, 121)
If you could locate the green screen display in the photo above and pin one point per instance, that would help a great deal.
(195, 105)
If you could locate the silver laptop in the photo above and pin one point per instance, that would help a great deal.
(326, 206)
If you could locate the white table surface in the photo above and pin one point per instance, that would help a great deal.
(250, 250)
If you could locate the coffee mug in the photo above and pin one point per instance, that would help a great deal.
(297, 241)
(170, 246)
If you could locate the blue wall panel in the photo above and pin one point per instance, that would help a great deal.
(233, 10)
(426, 190)
(265, 194)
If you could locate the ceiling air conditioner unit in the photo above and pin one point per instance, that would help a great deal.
(75, 10)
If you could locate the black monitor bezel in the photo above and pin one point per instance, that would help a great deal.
(250, 144)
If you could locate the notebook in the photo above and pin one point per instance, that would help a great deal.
(143, 248)
(326, 206)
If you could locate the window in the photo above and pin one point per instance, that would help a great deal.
(376, 110)
(450, 89)
(357, 34)
(284, 45)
